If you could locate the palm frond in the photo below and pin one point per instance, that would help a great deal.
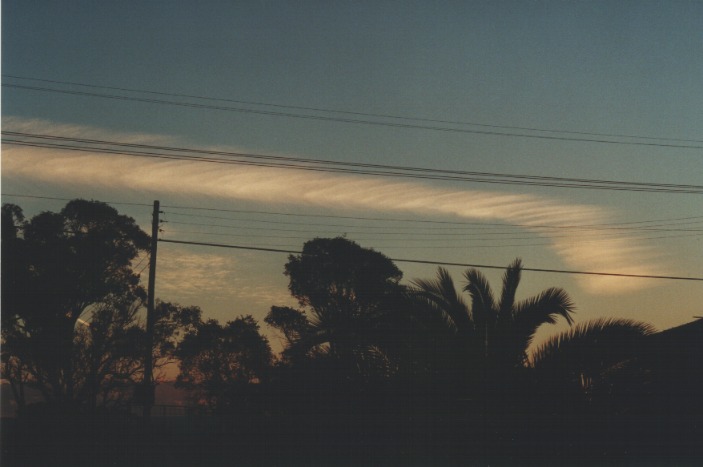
(441, 295)
(544, 308)
(482, 302)
(432, 311)
(306, 343)
(511, 280)
(592, 346)
(442, 286)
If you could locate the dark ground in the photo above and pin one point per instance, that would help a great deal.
(449, 435)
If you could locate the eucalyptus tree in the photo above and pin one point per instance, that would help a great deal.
(69, 290)
(218, 363)
(349, 296)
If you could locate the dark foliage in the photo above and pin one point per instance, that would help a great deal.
(218, 364)
(72, 305)
(63, 267)
(352, 298)
(373, 373)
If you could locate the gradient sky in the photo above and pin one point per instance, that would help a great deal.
(633, 68)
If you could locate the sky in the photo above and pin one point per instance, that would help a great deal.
(520, 88)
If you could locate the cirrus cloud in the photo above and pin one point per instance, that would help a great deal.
(578, 250)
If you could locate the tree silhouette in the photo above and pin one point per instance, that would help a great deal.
(63, 267)
(106, 353)
(507, 327)
(291, 322)
(15, 272)
(589, 354)
(598, 388)
(349, 294)
(218, 363)
(451, 344)
(493, 333)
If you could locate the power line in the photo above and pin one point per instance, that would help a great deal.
(230, 154)
(348, 120)
(391, 219)
(141, 261)
(372, 245)
(438, 234)
(364, 218)
(444, 234)
(352, 168)
(444, 246)
(347, 112)
(463, 224)
(441, 263)
(541, 228)
(456, 243)
(398, 260)
(145, 266)
(393, 259)
(336, 169)
(381, 219)
(69, 199)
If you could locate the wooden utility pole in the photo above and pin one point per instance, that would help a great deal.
(148, 384)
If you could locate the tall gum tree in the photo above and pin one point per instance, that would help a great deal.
(348, 294)
(60, 267)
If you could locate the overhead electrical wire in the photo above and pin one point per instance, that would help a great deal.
(373, 169)
(541, 228)
(417, 261)
(423, 221)
(426, 245)
(351, 120)
(54, 198)
(442, 263)
(230, 154)
(454, 243)
(148, 255)
(528, 233)
(347, 112)
(340, 167)
(415, 233)
(368, 234)
(444, 234)
(480, 225)
(362, 218)
(444, 245)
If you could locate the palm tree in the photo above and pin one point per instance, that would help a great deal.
(597, 387)
(451, 343)
(498, 332)
(590, 355)
(508, 327)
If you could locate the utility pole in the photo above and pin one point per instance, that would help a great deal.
(148, 384)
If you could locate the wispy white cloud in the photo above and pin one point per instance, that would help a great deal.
(196, 274)
(38, 126)
(218, 277)
(579, 250)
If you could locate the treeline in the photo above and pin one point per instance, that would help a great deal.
(373, 371)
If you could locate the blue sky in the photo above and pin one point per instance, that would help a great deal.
(631, 68)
